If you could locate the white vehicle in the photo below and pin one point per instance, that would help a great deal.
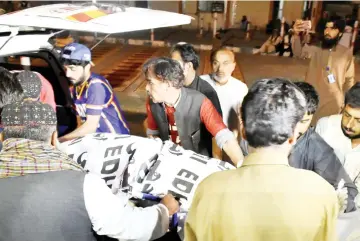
(29, 32)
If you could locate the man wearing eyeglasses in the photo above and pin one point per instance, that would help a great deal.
(95, 102)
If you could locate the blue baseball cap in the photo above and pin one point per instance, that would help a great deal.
(76, 51)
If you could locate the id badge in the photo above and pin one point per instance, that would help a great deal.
(331, 78)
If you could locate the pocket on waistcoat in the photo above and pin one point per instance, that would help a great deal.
(195, 137)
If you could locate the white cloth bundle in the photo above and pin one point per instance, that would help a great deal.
(179, 172)
(118, 159)
(143, 165)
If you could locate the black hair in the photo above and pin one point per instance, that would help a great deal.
(311, 95)
(339, 23)
(188, 54)
(10, 88)
(165, 69)
(271, 110)
(352, 96)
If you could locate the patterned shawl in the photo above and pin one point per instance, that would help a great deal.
(19, 157)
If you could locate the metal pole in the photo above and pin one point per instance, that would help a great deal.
(95, 33)
(354, 34)
(201, 24)
(25, 62)
(282, 30)
(215, 22)
(152, 35)
(247, 34)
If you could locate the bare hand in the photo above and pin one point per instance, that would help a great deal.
(298, 26)
(171, 204)
(342, 193)
(60, 140)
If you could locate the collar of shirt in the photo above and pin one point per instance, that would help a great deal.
(267, 156)
(178, 100)
(306, 135)
(217, 83)
(176, 103)
(80, 89)
(194, 84)
(357, 148)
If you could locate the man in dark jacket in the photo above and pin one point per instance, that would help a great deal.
(311, 152)
(189, 60)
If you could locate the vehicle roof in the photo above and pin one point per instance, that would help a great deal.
(28, 30)
(100, 18)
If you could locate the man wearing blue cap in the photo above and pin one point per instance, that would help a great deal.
(96, 104)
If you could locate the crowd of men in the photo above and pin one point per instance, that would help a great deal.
(296, 147)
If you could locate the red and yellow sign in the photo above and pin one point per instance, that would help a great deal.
(87, 16)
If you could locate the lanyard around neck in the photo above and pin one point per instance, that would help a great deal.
(329, 62)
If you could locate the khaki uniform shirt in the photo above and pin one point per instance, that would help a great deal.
(264, 199)
(341, 64)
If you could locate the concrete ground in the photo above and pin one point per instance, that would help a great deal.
(253, 68)
(121, 64)
(235, 37)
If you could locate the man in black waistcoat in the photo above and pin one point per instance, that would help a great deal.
(179, 114)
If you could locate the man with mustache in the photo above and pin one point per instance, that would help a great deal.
(189, 60)
(342, 133)
(178, 114)
(331, 69)
(230, 91)
(96, 104)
